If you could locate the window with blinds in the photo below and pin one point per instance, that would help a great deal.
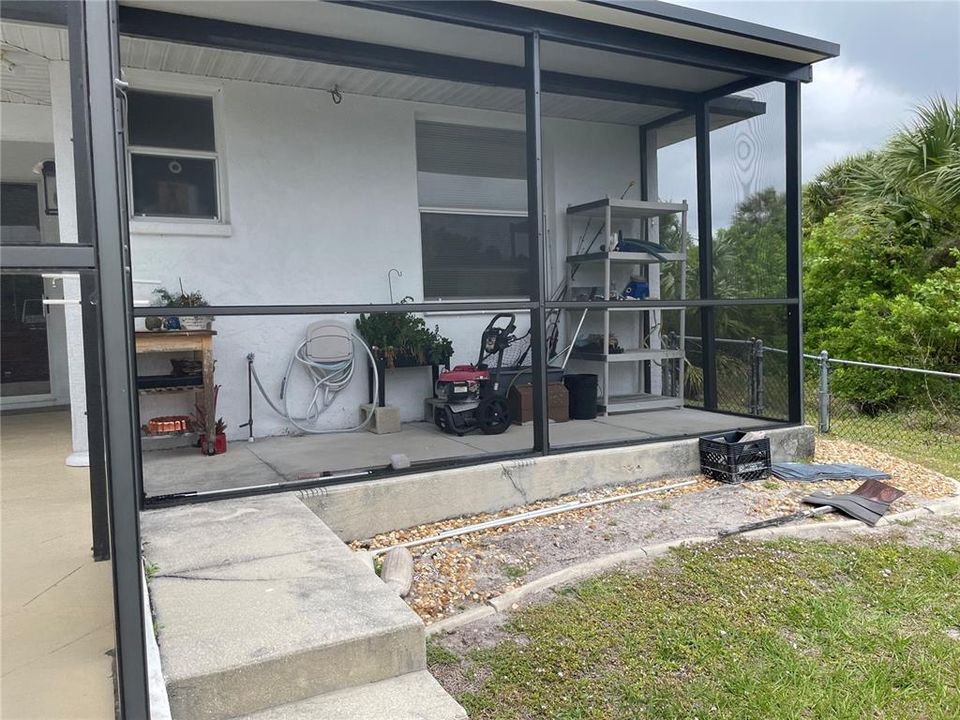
(473, 211)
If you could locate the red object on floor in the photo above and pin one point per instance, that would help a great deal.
(219, 444)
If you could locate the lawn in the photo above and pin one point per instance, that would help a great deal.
(734, 630)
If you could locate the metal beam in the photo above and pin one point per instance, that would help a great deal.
(538, 255)
(94, 55)
(344, 309)
(559, 28)
(226, 35)
(794, 254)
(705, 247)
(157, 25)
(44, 12)
(47, 257)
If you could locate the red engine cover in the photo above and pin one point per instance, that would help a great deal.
(463, 373)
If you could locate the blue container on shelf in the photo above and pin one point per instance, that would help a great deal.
(637, 289)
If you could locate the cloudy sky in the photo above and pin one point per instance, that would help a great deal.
(893, 56)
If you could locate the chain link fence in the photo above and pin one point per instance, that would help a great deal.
(908, 412)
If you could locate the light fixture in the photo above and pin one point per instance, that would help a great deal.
(48, 170)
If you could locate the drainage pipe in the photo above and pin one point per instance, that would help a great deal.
(520, 517)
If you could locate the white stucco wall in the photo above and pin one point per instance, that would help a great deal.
(322, 202)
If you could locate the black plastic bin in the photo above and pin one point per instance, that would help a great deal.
(725, 458)
(582, 393)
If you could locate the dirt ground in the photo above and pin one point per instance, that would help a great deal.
(461, 572)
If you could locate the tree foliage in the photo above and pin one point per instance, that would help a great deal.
(881, 239)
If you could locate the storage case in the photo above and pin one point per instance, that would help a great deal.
(725, 458)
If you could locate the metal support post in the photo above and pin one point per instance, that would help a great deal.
(705, 245)
(794, 255)
(757, 367)
(94, 75)
(538, 257)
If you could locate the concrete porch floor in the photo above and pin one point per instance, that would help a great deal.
(289, 458)
(57, 603)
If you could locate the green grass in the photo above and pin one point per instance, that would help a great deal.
(513, 572)
(738, 631)
(437, 654)
(905, 436)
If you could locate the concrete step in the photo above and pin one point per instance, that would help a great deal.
(259, 604)
(414, 696)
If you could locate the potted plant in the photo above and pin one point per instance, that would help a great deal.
(199, 422)
(403, 340)
(183, 299)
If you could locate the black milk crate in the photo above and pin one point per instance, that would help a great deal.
(725, 458)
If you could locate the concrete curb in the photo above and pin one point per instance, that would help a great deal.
(510, 600)
(460, 619)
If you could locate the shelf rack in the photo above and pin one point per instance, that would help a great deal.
(616, 212)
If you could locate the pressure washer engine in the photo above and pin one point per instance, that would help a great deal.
(471, 396)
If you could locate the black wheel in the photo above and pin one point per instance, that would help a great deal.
(440, 419)
(493, 415)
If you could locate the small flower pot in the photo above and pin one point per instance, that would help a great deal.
(219, 444)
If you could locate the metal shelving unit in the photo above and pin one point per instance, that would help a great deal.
(616, 213)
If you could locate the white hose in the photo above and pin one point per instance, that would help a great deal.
(528, 515)
(328, 380)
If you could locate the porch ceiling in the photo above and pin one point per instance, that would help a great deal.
(30, 47)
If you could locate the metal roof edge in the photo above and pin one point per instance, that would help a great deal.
(722, 23)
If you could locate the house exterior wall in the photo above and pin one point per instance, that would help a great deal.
(322, 203)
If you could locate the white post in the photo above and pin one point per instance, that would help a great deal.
(67, 217)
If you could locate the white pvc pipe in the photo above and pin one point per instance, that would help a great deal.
(519, 517)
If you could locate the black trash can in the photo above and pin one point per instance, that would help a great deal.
(582, 392)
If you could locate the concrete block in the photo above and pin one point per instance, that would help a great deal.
(414, 696)
(386, 419)
(260, 604)
(360, 510)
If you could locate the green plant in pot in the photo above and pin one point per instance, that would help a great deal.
(182, 299)
(404, 340)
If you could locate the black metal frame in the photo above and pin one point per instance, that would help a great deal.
(95, 68)
(94, 28)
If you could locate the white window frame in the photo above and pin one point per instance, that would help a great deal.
(149, 82)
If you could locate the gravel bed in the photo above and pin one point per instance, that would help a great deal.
(462, 572)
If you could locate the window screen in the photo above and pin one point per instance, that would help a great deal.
(169, 186)
(173, 159)
(183, 122)
(473, 198)
(474, 256)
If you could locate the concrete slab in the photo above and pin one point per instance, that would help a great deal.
(415, 696)
(679, 421)
(185, 469)
(292, 457)
(260, 604)
(360, 510)
(287, 458)
(57, 603)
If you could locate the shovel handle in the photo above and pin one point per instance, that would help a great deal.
(774, 522)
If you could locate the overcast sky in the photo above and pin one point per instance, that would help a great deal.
(893, 56)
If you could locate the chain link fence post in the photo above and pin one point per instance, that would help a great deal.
(758, 375)
(824, 414)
